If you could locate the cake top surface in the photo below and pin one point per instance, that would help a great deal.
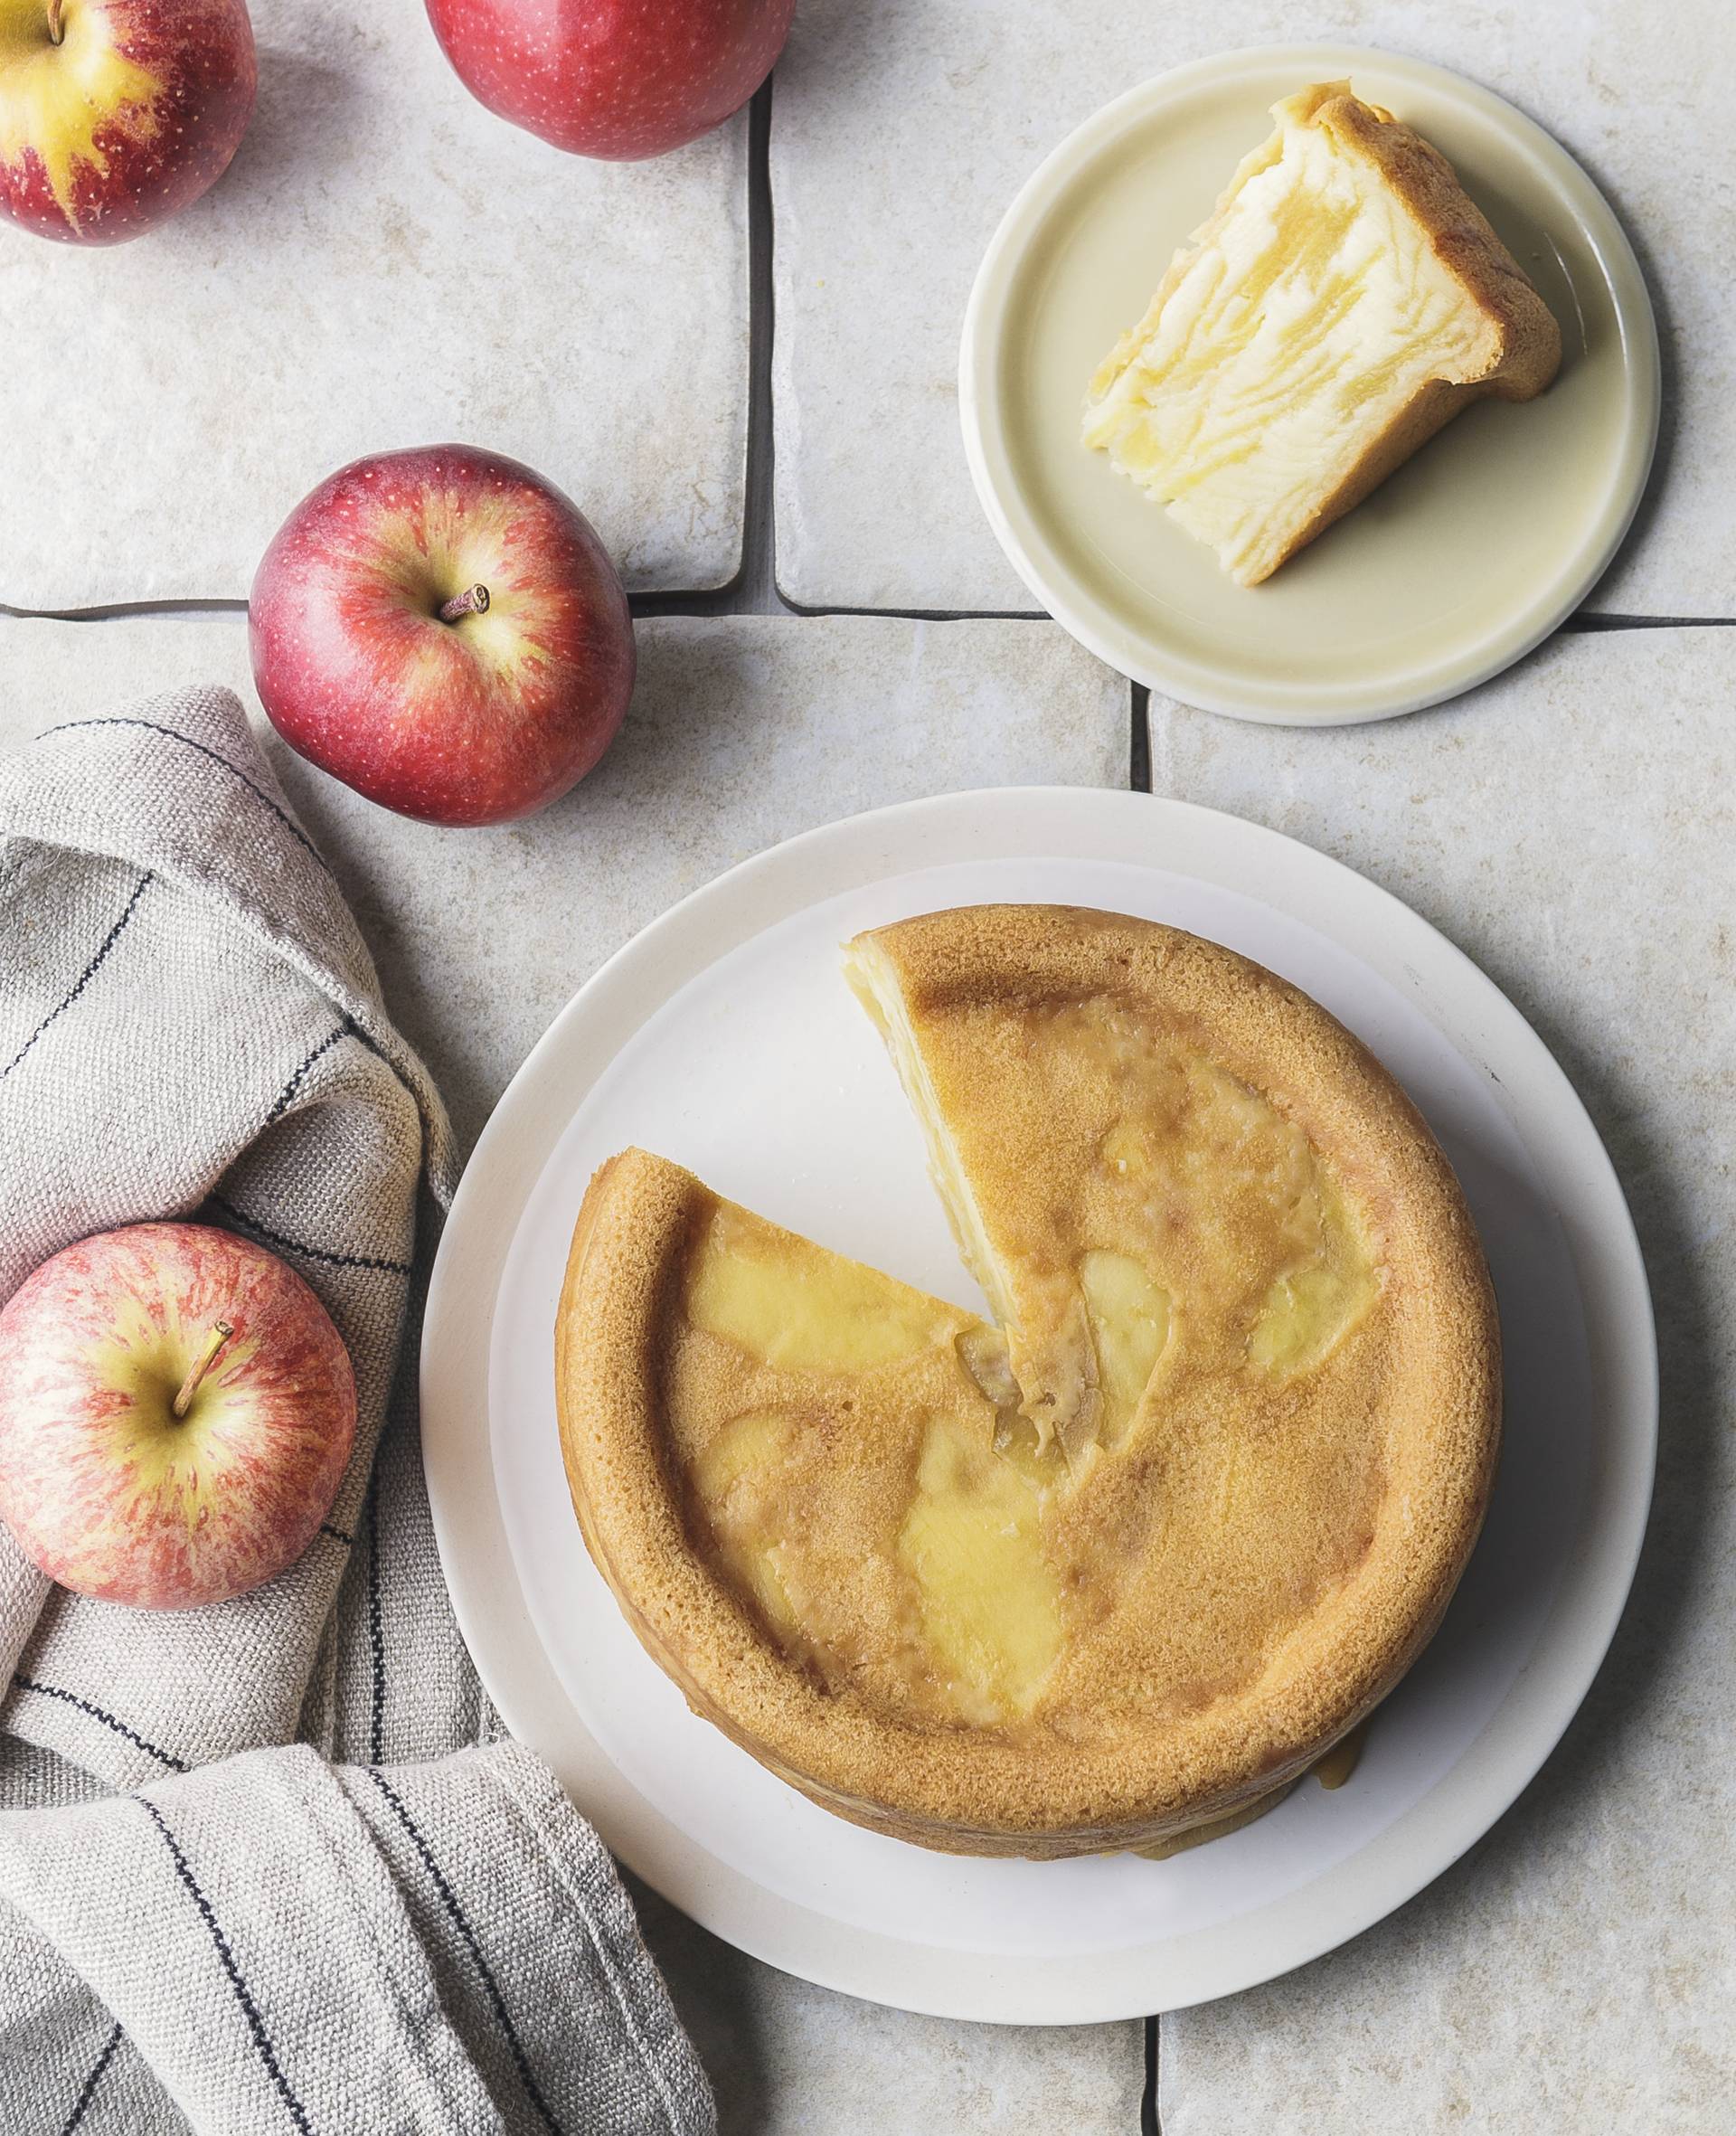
(1162, 1534)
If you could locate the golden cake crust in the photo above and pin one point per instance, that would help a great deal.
(1088, 1768)
(1524, 339)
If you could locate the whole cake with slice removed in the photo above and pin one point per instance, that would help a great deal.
(1116, 1568)
(1344, 300)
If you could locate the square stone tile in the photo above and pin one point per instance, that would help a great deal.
(901, 133)
(1572, 826)
(787, 2059)
(743, 732)
(384, 264)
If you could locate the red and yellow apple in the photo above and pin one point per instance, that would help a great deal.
(442, 630)
(176, 1411)
(116, 114)
(619, 79)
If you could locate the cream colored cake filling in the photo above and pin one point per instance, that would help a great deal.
(1057, 1378)
(990, 1598)
(1308, 313)
(736, 1477)
(874, 983)
(976, 1622)
(1128, 1315)
(801, 1311)
(1221, 1216)
(1311, 1305)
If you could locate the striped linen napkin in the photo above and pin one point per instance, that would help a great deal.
(197, 1928)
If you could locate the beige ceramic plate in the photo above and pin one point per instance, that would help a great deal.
(1472, 553)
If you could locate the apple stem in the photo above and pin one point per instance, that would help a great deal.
(202, 1364)
(56, 29)
(472, 601)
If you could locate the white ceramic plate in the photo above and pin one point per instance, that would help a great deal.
(725, 1037)
(1459, 564)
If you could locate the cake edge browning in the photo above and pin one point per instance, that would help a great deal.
(1528, 350)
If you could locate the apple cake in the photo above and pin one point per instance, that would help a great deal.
(1118, 1564)
(1344, 300)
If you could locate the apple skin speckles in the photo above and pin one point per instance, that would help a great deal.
(130, 118)
(614, 79)
(110, 1493)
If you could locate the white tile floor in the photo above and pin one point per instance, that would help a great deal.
(384, 264)
(1569, 825)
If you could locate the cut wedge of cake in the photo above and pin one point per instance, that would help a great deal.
(1116, 1578)
(832, 1440)
(1344, 300)
(1141, 1214)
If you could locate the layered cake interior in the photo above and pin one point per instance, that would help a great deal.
(1344, 300)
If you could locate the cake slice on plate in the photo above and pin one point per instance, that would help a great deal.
(1344, 300)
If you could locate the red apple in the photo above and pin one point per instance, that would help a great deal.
(619, 79)
(442, 630)
(116, 114)
(176, 1411)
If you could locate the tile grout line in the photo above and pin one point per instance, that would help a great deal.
(118, 610)
(733, 599)
(1150, 2124)
(1584, 621)
(913, 615)
(1139, 738)
(759, 594)
(753, 589)
(1139, 782)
